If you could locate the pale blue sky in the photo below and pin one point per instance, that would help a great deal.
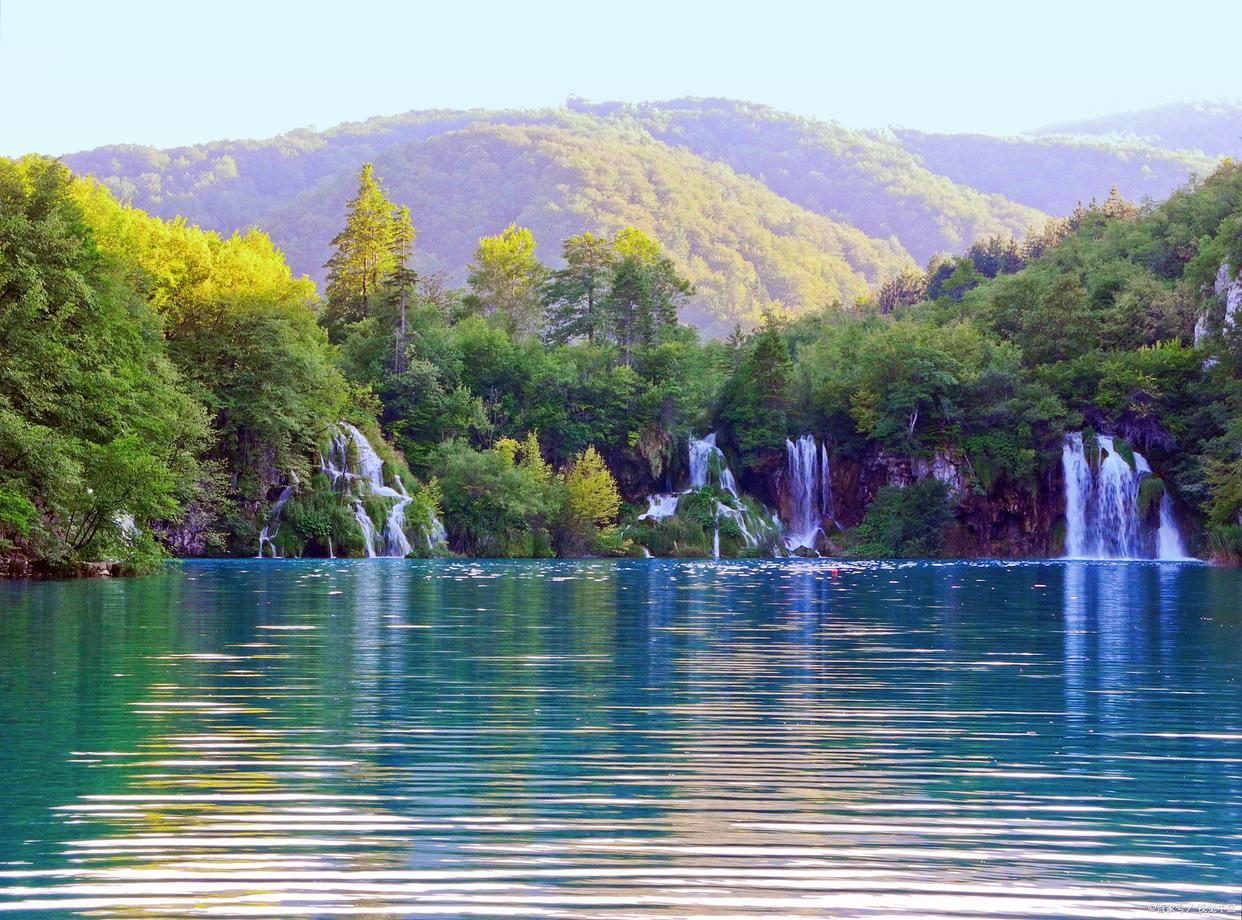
(77, 75)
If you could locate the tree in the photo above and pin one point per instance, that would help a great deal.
(756, 399)
(506, 280)
(96, 426)
(644, 293)
(906, 522)
(401, 280)
(903, 290)
(589, 517)
(364, 252)
(574, 294)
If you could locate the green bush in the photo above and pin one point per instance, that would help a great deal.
(905, 522)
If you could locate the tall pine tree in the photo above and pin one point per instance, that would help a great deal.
(401, 280)
(644, 294)
(364, 254)
(573, 296)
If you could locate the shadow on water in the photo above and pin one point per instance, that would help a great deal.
(646, 738)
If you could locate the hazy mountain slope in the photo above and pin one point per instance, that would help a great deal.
(842, 174)
(1053, 174)
(227, 184)
(743, 246)
(850, 175)
(1215, 128)
(623, 163)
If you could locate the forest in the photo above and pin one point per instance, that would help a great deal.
(168, 390)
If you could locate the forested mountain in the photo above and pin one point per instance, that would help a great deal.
(745, 248)
(1213, 128)
(758, 207)
(1054, 174)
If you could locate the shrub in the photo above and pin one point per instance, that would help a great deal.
(906, 521)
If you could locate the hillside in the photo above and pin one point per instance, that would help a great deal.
(757, 206)
(1054, 174)
(1214, 128)
(744, 247)
(840, 173)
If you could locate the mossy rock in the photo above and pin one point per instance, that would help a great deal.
(1151, 492)
(673, 536)
(1125, 452)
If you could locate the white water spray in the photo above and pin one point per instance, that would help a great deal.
(1102, 519)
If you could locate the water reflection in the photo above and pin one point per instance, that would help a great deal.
(638, 739)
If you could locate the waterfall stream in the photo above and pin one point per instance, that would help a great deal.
(365, 475)
(1102, 513)
(810, 492)
(703, 451)
(707, 463)
(273, 518)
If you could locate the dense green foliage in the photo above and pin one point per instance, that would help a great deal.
(753, 205)
(163, 374)
(97, 430)
(156, 375)
(980, 364)
(906, 522)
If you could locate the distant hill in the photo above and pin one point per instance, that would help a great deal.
(1214, 128)
(742, 245)
(757, 206)
(1054, 174)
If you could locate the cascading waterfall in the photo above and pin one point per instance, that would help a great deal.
(1169, 543)
(703, 451)
(367, 526)
(1102, 519)
(266, 534)
(810, 494)
(660, 506)
(394, 542)
(707, 462)
(826, 507)
(367, 471)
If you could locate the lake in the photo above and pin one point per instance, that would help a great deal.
(634, 738)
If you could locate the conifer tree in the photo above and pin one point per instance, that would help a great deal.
(401, 279)
(645, 292)
(574, 294)
(363, 253)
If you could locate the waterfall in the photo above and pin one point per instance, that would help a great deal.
(266, 534)
(706, 460)
(810, 492)
(1077, 491)
(660, 506)
(1102, 519)
(367, 526)
(395, 541)
(391, 540)
(436, 535)
(702, 452)
(1169, 543)
(825, 485)
(370, 465)
(805, 501)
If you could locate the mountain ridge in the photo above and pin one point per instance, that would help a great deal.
(817, 193)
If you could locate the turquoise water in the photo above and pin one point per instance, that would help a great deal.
(646, 738)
